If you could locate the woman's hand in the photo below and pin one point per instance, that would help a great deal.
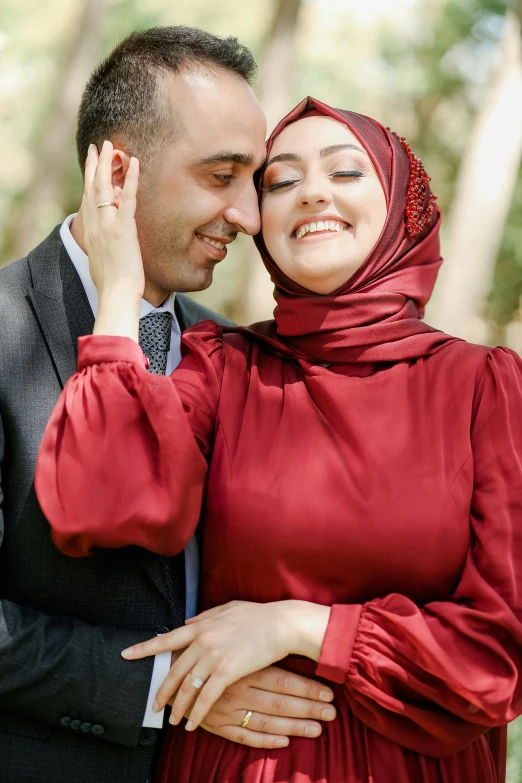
(111, 240)
(228, 643)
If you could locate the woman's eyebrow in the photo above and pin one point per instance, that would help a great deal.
(338, 148)
(284, 157)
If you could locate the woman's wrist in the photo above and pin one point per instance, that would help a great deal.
(118, 314)
(304, 627)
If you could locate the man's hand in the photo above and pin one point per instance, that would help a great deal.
(283, 705)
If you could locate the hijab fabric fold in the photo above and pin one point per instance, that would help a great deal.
(376, 315)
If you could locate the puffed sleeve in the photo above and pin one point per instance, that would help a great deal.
(125, 453)
(434, 678)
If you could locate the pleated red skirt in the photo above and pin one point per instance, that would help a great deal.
(346, 752)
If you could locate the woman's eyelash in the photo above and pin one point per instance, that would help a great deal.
(356, 174)
(286, 183)
(278, 185)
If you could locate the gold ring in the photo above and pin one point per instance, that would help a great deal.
(246, 719)
(106, 204)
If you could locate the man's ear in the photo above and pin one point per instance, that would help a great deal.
(120, 166)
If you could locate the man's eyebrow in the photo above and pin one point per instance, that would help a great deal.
(228, 156)
(293, 157)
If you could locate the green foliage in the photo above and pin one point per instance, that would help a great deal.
(441, 78)
(436, 69)
(514, 764)
(505, 294)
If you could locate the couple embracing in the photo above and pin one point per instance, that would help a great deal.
(345, 480)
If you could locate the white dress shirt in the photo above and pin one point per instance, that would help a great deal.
(81, 264)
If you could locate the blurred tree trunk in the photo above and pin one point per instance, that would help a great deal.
(44, 197)
(275, 93)
(483, 195)
(275, 83)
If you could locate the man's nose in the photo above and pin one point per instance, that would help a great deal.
(244, 212)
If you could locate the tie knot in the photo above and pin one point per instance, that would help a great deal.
(154, 336)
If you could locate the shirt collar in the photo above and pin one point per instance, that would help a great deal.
(81, 264)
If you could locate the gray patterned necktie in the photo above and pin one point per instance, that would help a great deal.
(155, 331)
(154, 337)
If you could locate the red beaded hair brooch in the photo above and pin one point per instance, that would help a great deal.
(418, 213)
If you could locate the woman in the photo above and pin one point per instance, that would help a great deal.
(361, 474)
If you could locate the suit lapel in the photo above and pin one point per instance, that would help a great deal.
(63, 313)
(152, 565)
(60, 303)
(182, 312)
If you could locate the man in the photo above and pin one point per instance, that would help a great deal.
(70, 706)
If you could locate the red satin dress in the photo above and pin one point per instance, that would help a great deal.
(392, 493)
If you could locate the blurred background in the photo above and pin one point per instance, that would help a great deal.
(447, 74)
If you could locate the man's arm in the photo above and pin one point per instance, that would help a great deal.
(52, 668)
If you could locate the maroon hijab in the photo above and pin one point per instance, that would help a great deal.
(375, 316)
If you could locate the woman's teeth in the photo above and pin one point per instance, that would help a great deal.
(321, 225)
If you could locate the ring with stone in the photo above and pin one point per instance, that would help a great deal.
(246, 719)
(197, 682)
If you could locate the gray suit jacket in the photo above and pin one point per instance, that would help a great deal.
(70, 707)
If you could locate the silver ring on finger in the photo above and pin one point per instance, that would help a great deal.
(197, 682)
(246, 719)
(106, 204)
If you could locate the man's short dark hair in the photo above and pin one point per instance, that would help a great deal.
(124, 95)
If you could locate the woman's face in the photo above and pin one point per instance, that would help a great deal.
(323, 206)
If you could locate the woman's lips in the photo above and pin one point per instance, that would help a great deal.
(318, 226)
(322, 234)
(318, 237)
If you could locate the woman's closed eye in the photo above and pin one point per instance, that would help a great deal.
(288, 183)
(278, 185)
(347, 174)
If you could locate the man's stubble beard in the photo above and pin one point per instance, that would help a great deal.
(165, 248)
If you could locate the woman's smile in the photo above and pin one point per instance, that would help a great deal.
(322, 227)
(319, 182)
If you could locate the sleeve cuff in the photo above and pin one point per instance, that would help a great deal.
(336, 652)
(96, 348)
(162, 661)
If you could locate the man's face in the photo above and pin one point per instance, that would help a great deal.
(200, 192)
